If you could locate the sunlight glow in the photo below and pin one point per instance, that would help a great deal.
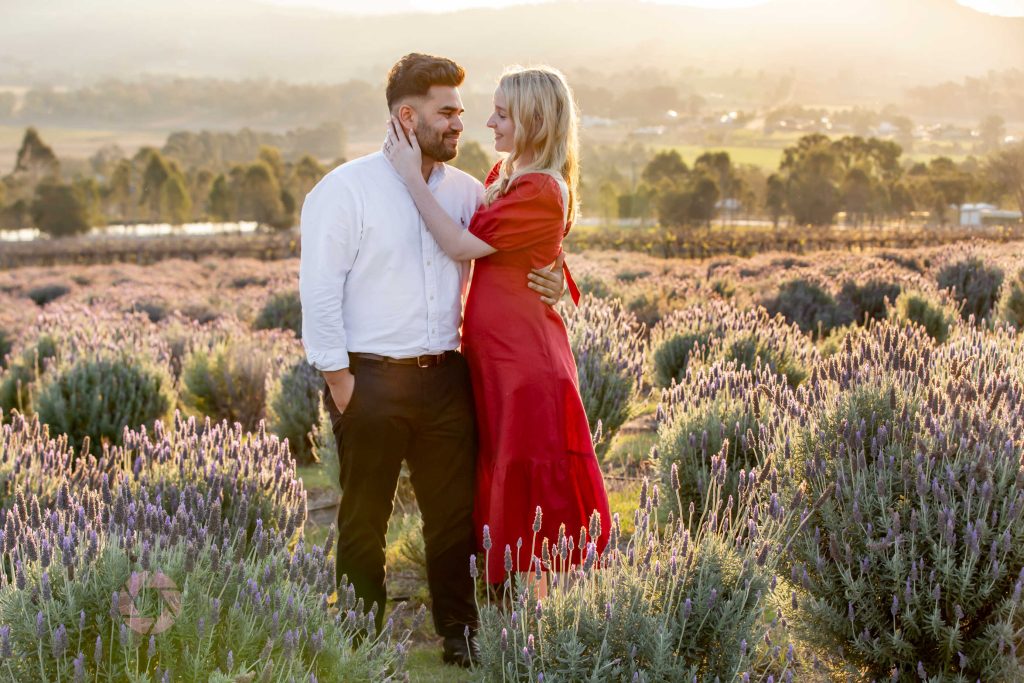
(1006, 8)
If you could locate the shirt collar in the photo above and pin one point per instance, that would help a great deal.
(436, 176)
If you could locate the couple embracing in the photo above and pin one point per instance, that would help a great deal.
(489, 433)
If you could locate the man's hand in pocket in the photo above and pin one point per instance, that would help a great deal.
(342, 383)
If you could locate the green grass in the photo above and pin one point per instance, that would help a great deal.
(766, 158)
(317, 476)
(425, 666)
(629, 449)
(623, 499)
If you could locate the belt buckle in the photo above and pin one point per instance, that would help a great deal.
(421, 359)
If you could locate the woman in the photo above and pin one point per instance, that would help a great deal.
(535, 442)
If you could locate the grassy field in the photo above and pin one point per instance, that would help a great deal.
(768, 158)
(76, 143)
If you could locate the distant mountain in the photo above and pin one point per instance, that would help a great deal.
(881, 44)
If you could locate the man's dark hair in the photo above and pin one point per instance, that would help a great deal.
(414, 73)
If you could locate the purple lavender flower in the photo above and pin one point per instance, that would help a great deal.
(59, 641)
(79, 668)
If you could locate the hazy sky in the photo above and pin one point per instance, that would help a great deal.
(1011, 8)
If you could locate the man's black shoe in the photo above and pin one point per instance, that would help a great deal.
(460, 653)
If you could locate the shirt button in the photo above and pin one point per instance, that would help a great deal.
(431, 297)
(428, 263)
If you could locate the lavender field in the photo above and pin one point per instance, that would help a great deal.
(814, 464)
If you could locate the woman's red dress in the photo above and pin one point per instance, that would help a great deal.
(535, 441)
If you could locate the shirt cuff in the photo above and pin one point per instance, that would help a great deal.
(327, 361)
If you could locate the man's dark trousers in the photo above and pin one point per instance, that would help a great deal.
(424, 416)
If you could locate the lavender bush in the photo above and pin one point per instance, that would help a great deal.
(18, 382)
(293, 408)
(868, 301)
(910, 563)
(251, 474)
(808, 305)
(722, 407)
(1011, 304)
(936, 316)
(718, 331)
(670, 605)
(282, 311)
(974, 284)
(227, 382)
(6, 344)
(95, 399)
(47, 293)
(608, 345)
(244, 607)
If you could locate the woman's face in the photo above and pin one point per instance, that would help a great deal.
(501, 123)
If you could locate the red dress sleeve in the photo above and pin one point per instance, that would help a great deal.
(493, 175)
(527, 214)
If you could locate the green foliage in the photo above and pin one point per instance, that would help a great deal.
(260, 197)
(97, 398)
(973, 284)
(60, 211)
(18, 383)
(473, 160)
(6, 344)
(221, 201)
(293, 408)
(674, 603)
(712, 413)
(909, 565)
(226, 382)
(607, 343)
(282, 311)
(717, 331)
(868, 301)
(670, 357)
(1011, 303)
(593, 286)
(248, 604)
(808, 305)
(833, 344)
(406, 553)
(35, 157)
(44, 294)
(175, 202)
(935, 316)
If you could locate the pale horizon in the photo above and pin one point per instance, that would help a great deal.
(999, 8)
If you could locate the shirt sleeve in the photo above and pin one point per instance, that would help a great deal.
(527, 214)
(330, 229)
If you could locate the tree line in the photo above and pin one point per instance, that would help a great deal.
(229, 177)
(194, 177)
(818, 177)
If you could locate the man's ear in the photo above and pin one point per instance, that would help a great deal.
(407, 115)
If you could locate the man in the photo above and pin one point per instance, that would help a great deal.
(381, 311)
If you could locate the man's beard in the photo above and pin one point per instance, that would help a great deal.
(432, 145)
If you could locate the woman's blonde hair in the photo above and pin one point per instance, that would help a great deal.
(542, 108)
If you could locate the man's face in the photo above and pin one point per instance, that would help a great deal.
(439, 122)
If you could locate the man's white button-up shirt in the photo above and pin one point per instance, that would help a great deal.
(371, 278)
